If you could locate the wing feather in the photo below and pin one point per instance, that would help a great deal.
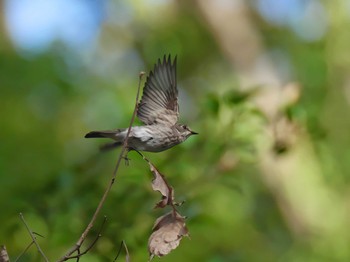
(159, 100)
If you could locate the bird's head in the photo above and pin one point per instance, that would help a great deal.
(186, 131)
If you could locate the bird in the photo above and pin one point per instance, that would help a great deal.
(158, 110)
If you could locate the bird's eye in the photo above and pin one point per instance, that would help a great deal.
(185, 127)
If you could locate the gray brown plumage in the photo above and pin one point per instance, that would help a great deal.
(158, 110)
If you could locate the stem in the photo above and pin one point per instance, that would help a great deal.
(109, 186)
(33, 238)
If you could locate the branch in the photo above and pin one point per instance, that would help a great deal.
(111, 182)
(24, 251)
(33, 237)
(127, 256)
(92, 243)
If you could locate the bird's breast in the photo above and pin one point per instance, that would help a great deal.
(154, 138)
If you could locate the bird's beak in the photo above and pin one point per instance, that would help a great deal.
(193, 133)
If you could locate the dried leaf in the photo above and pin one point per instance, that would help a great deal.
(168, 230)
(4, 257)
(160, 184)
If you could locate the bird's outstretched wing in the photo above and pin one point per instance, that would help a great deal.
(159, 104)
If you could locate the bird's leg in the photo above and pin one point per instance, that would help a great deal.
(127, 160)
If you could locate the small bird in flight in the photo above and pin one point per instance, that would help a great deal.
(158, 110)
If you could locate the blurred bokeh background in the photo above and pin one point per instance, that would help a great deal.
(265, 83)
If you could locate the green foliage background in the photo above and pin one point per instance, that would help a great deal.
(249, 196)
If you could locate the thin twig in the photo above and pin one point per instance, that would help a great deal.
(24, 251)
(78, 258)
(33, 237)
(119, 250)
(109, 186)
(80, 254)
(35, 233)
(143, 156)
(127, 256)
(92, 243)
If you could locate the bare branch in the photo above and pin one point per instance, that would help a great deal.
(92, 243)
(127, 256)
(33, 237)
(24, 251)
(78, 251)
(109, 186)
(80, 254)
(119, 250)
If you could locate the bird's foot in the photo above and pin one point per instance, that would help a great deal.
(126, 160)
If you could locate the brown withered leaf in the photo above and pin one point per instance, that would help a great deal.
(4, 257)
(168, 230)
(160, 184)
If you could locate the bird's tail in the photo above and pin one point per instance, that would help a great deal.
(118, 135)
